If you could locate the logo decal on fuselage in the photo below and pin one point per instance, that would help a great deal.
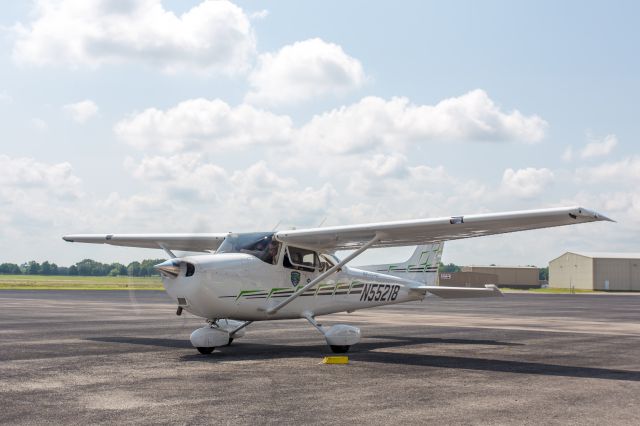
(295, 278)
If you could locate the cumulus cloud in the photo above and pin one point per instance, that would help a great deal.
(527, 182)
(367, 125)
(25, 173)
(301, 71)
(392, 176)
(258, 15)
(5, 98)
(201, 124)
(81, 111)
(600, 148)
(376, 122)
(35, 198)
(255, 196)
(625, 170)
(39, 124)
(212, 36)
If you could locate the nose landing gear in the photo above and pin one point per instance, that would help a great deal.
(219, 332)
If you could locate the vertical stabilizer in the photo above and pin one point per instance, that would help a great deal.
(422, 266)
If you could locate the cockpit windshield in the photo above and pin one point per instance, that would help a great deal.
(258, 244)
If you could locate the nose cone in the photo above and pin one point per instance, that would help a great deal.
(169, 268)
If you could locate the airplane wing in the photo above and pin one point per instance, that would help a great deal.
(425, 231)
(183, 242)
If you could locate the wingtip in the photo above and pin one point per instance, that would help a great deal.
(594, 214)
(67, 238)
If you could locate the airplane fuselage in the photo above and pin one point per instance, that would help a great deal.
(242, 287)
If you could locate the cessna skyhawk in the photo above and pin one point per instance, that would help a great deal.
(246, 277)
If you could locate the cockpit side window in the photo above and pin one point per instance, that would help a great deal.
(261, 245)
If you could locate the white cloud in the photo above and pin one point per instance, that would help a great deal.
(39, 124)
(259, 15)
(5, 98)
(526, 183)
(374, 122)
(212, 36)
(36, 198)
(24, 173)
(185, 176)
(380, 165)
(599, 148)
(368, 125)
(203, 124)
(255, 197)
(304, 70)
(81, 111)
(567, 155)
(622, 171)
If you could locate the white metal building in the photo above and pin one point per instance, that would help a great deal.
(596, 271)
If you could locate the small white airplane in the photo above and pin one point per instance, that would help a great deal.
(246, 277)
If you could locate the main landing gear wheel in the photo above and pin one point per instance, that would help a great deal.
(205, 351)
(339, 349)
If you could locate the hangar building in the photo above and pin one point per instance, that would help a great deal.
(596, 271)
(509, 276)
(466, 279)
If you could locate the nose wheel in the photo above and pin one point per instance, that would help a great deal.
(205, 351)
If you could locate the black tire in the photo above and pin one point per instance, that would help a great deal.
(205, 351)
(339, 349)
(230, 341)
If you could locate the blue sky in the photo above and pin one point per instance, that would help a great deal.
(149, 116)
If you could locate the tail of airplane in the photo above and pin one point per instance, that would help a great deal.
(422, 266)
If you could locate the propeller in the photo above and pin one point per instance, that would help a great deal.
(170, 268)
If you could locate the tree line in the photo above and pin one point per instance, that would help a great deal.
(86, 267)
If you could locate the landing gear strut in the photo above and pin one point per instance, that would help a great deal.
(219, 332)
(339, 337)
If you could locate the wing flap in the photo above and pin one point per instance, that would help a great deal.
(426, 231)
(182, 242)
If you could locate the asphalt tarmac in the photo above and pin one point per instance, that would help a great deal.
(124, 357)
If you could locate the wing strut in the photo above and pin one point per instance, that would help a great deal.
(166, 250)
(324, 275)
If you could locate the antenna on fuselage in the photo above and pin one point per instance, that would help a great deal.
(276, 227)
(321, 222)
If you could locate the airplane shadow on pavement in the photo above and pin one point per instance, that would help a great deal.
(374, 352)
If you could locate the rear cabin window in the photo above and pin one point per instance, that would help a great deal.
(300, 259)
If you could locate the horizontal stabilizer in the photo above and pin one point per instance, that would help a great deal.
(489, 290)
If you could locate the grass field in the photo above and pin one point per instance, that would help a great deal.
(54, 282)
